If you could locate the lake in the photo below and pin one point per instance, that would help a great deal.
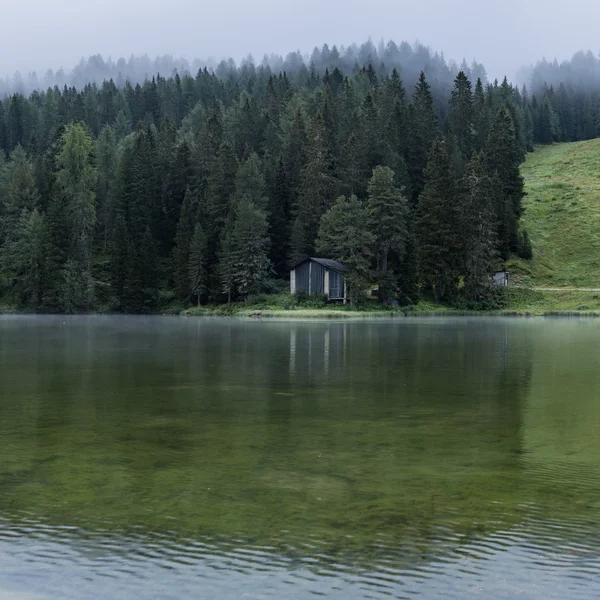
(159, 457)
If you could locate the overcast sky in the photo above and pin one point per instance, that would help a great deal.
(503, 34)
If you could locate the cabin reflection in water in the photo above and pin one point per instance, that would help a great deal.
(314, 352)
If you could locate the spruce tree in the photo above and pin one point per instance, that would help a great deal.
(436, 228)
(503, 158)
(481, 118)
(423, 126)
(299, 249)
(250, 249)
(317, 184)
(197, 264)
(461, 117)
(388, 215)
(344, 236)
(478, 230)
(119, 259)
(279, 216)
(76, 180)
(181, 253)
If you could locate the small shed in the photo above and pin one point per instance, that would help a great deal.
(319, 276)
(501, 278)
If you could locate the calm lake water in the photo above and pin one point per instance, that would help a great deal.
(213, 458)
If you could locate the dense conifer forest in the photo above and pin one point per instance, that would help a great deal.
(124, 195)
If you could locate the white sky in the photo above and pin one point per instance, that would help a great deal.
(503, 34)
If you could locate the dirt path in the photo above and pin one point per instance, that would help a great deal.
(560, 289)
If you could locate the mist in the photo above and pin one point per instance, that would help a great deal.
(40, 35)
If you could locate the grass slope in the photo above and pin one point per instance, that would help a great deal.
(562, 216)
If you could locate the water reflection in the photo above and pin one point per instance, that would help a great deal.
(436, 457)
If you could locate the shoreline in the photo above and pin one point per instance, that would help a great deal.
(519, 302)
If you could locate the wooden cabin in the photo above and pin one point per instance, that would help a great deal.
(319, 276)
(501, 278)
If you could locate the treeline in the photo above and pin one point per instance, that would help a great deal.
(408, 59)
(207, 188)
(565, 100)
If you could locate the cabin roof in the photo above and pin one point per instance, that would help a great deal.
(328, 263)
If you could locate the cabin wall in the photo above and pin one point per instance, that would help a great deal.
(310, 278)
(336, 285)
(303, 277)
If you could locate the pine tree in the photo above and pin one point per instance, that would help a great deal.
(251, 246)
(76, 181)
(227, 261)
(197, 264)
(481, 118)
(106, 153)
(119, 259)
(344, 236)
(21, 189)
(279, 215)
(438, 249)
(298, 243)
(317, 184)
(423, 127)
(388, 215)
(461, 117)
(181, 253)
(250, 183)
(478, 229)
(24, 257)
(503, 162)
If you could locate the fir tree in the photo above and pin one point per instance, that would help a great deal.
(251, 246)
(344, 236)
(183, 237)
(424, 130)
(436, 229)
(119, 259)
(76, 181)
(478, 229)
(197, 264)
(388, 215)
(461, 117)
(503, 160)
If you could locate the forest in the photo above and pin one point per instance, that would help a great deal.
(119, 195)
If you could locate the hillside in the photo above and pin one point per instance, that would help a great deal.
(562, 216)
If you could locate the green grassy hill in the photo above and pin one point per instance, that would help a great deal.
(562, 216)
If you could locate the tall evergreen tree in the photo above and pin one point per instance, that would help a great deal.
(437, 235)
(344, 236)
(461, 117)
(478, 228)
(76, 181)
(183, 237)
(197, 264)
(317, 184)
(388, 215)
(424, 130)
(503, 161)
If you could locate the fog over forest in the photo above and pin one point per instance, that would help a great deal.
(39, 35)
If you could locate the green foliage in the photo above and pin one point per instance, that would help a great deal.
(197, 268)
(477, 223)
(122, 175)
(243, 263)
(436, 228)
(503, 157)
(345, 237)
(388, 221)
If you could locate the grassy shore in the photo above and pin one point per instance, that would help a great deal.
(519, 302)
(562, 216)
